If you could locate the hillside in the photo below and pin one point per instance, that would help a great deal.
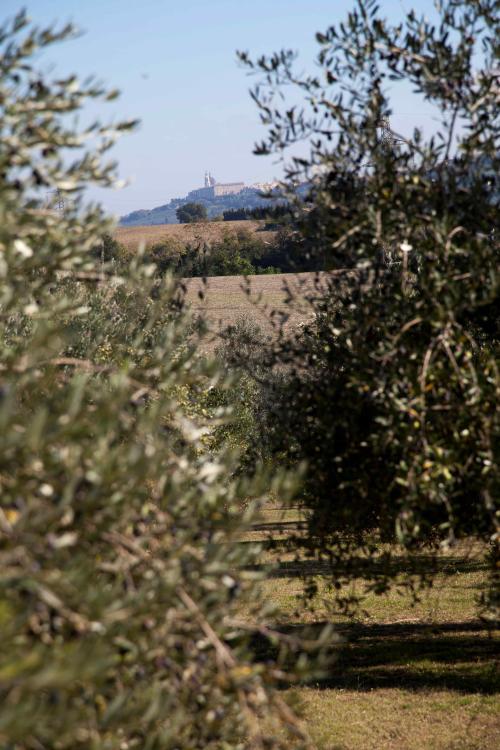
(165, 214)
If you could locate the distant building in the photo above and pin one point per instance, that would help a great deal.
(228, 188)
(265, 187)
(213, 189)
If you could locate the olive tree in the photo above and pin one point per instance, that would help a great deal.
(122, 579)
(392, 390)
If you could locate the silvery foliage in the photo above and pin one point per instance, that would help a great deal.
(122, 579)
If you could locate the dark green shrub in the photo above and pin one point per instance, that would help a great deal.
(166, 255)
(232, 256)
(191, 212)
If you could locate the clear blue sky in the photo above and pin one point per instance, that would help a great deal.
(175, 63)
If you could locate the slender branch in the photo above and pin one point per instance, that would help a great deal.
(452, 131)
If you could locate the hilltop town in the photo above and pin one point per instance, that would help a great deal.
(217, 197)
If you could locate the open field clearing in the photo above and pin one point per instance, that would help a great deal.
(226, 299)
(196, 232)
(408, 675)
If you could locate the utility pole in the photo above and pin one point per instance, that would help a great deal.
(57, 200)
(387, 138)
(60, 202)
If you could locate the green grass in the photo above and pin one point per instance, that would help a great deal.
(409, 673)
(397, 718)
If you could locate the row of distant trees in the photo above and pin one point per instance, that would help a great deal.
(192, 212)
(277, 213)
(241, 253)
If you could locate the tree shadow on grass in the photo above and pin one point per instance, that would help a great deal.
(459, 656)
(364, 567)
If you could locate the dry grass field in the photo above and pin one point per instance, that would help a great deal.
(185, 234)
(408, 675)
(224, 300)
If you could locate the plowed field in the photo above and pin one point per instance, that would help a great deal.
(266, 300)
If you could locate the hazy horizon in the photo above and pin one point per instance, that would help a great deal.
(175, 64)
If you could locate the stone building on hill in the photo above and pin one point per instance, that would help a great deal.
(213, 189)
(228, 188)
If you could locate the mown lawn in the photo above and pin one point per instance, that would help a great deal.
(408, 674)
